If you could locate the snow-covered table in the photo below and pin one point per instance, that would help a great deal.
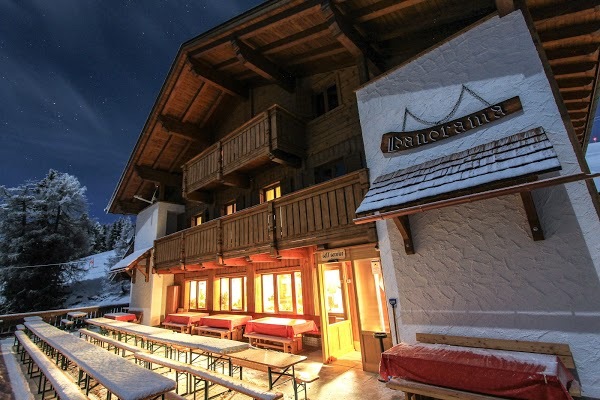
(119, 376)
(186, 318)
(33, 318)
(276, 364)
(492, 372)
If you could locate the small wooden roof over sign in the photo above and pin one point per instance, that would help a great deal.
(524, 154)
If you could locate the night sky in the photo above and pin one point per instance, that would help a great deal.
(78, 79)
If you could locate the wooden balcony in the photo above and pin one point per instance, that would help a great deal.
(320, 214)
(274, 135)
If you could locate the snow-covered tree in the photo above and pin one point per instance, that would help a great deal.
(43, 228)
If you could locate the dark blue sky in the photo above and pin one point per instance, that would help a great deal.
(78, 79)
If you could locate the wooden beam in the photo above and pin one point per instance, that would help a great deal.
(532, 216)
(589, 16)
(592, 39)
(382, 8)
(235, 180)
(236, 262)
(505, 7)
(296, 39)
(263, 66)
(345, 33)
(318, 53)
(262, 258)
(199, 196)
(155, 175)
(403, 225)
(281, 157)
(218, 79)
(185, 130)
(294, 254)
(550, 9)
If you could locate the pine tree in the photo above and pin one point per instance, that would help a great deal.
(43, 223)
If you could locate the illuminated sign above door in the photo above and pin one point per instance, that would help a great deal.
(393, 142)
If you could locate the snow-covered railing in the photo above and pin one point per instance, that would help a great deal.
(53, 317)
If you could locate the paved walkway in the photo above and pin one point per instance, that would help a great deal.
(342, 379)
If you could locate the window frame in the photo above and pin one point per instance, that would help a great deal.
(244, 292)
(197, 283)
(195, 219)
(233, 205)
(322, 93)
(274, 187)
(276, 309)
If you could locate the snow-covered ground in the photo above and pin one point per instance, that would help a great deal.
(593, 159)
(93, 288)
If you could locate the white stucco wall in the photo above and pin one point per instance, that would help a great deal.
(151, 224)
(477, 271)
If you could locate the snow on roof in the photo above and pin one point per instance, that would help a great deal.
(526, 153)
(130, 259)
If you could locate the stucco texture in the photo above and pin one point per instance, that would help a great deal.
(477, 271)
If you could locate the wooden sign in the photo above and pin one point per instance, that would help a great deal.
(393, 142)
(333, 255)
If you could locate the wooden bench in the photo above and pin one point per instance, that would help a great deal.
(412, 389)
(415, 391)
(303, 378)
(67, 324)
(61, 384)
(221, 333)
(117, 345)
(183, 328)
(210, 377)
(284, 344)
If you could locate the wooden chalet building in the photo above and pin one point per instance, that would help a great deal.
(253, 157)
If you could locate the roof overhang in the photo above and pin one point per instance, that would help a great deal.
(139, 259)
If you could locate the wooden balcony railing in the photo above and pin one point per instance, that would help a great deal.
(273, 135)
(320, 214)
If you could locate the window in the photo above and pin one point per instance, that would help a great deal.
(232, 293)
(197, 295)
(282, 293)
(270, 193)
(330, 170)
(198, 220)
(325, 100)
(230, 208)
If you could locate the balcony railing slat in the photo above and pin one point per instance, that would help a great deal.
(319, 214)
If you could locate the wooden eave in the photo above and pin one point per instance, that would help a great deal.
(282, 40)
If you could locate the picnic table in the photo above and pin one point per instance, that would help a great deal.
(486, 371)
(33, 318)
(283, 327)
(126, 380)
(224, 325)
(276, 364)
(187, 318)
(120, 316)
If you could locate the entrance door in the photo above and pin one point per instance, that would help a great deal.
(336, 321)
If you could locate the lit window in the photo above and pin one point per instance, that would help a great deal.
(198, 220)
(232, 294)
(282, 293)
(271, 193)
(230, 208)
(326, 100)
(197, 295)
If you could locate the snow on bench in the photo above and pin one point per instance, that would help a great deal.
(183, 328)
(206, 375)
(109, 342)
(221, 333)
(64, 387)
(284, 344)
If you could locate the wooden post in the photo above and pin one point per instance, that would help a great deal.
(403, 225)
(272, 228)
(532, 216)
